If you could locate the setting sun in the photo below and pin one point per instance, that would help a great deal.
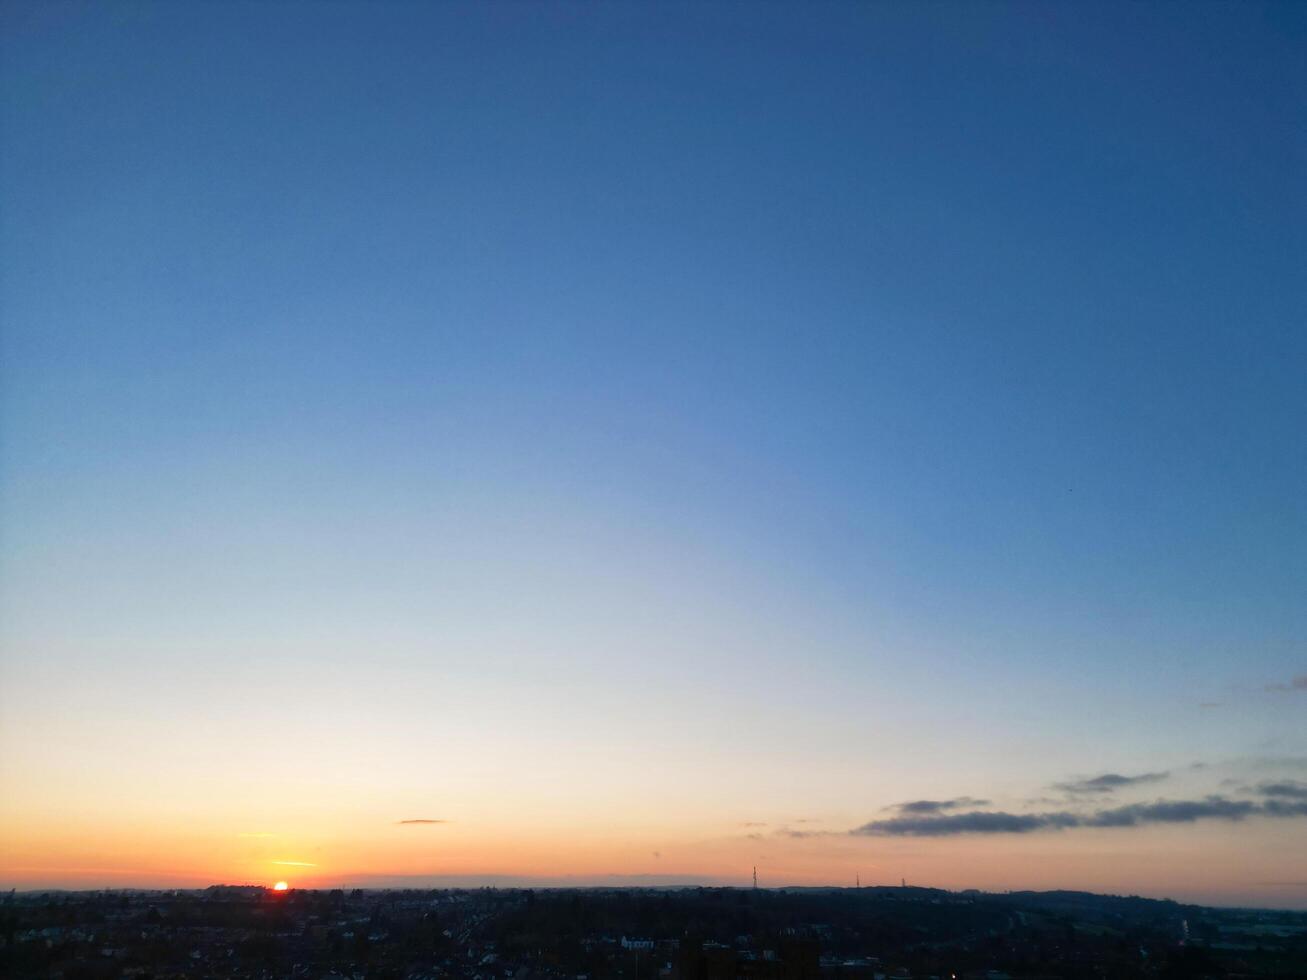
(280, 886)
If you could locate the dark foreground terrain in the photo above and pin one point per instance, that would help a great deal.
(637, 934)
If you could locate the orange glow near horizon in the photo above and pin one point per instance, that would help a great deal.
(476, 847)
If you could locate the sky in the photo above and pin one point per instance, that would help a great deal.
(645, 442)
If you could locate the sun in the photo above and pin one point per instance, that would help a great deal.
(280, 886)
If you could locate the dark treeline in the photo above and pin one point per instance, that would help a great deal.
(637, 934)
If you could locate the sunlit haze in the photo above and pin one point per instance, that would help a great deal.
(624, 443)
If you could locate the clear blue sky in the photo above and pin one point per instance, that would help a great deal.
(810, 378)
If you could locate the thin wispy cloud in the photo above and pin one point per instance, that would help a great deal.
(1272, 762)
(1298, 683)
(801, 834)
(1109, 782)
(295, 864)
(403, 823)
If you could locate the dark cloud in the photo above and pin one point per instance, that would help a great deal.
(1285, 808)
(402, 822)
(1109, 782)
(957, 802)
(1133, 815)
(975, 822)
(1299, 683)
(921, 806)
(1171, 811)
(1288, 788)
(938, 806)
